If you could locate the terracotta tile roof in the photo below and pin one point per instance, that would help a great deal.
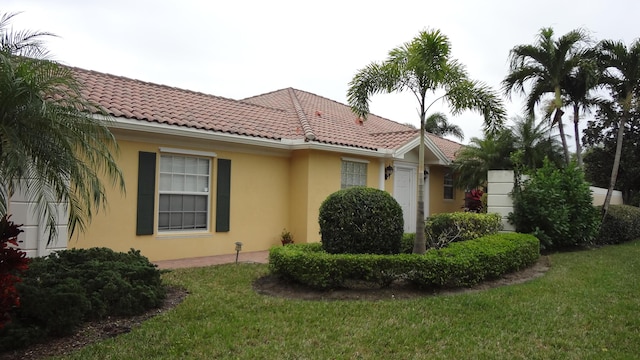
(334, 123)
(283, 114)
(449, 148)
(134, 99)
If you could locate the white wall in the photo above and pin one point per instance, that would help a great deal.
(500, 185)
(34, 238)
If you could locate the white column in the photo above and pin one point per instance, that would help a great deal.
(381, 175)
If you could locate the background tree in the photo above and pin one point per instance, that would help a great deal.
(600, 139)
(424, 66)
(438, 124)
(578, 87)
(474, 160)
(50, 147)
(545, 65)
(524, 141)
(621, 76)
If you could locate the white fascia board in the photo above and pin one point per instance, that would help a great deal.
(284, 144)
(404, 149)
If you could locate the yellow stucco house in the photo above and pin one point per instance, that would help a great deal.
(203, 172)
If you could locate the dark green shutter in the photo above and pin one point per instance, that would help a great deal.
(223, 195)
(146, 192)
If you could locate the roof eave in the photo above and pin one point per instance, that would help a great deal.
(282, 144)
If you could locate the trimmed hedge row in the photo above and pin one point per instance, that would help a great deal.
(621, 224)
(459, 265)
(442, 229)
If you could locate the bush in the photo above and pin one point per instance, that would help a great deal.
(361, 220)
(461, 264)
(445, 228)
(621, 224)
(556, 206)
(406, 246)
(62, 290)
(13, 262)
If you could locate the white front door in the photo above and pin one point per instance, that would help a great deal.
(404, 191)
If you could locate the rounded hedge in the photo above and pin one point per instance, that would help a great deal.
(361, 220)
(460, 264)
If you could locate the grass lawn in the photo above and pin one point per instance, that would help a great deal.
(587, 306)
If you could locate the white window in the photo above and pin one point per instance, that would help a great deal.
(353, 174)
(448, 185)
(184, 193)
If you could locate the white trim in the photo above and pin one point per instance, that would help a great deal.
(284, 144)
(345, 158)
(381, 172)
(188, 152)
(403, 150)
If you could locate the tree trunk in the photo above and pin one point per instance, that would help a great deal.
(614, 170)
(576, 130)
(557, 119)
(420, 245)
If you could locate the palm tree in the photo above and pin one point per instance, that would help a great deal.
(51, 149)
(545, 64)
(424, 66)
(621, 76)
(474, 160)
(522, 144)
(534, 142)
(438, 124)
(578, 88)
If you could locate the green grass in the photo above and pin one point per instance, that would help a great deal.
(587, 306)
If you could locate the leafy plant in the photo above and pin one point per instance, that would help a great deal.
(361, 220)
(13, 262)
(621, 224)
(460, 264)
(62, 290)
(442, 229)
(556, 206)
(286, 237)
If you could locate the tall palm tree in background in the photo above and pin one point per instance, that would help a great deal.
(578, 88)
(438, 124)
(474, 160)
(621, 76)
(545, 65)
(534, 142)
(424, 66)
(51, 149)
(524, 142)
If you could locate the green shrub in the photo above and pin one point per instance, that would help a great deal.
(556, 206)
(461, 264)
(406, 246)
(361, 220)
(621, 224)
(445, 228)
(62, 290)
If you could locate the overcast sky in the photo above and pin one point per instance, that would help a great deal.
(241, 48)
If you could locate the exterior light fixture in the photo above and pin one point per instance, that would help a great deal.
(388, 171)
(426, 175)
(238, 248)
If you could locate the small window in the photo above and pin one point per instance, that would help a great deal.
(353, 174)
(448, 185)
(184, 193)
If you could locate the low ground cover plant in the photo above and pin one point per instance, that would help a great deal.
(60, 291)
(461, 264)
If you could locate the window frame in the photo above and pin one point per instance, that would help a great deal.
(447, 182)
(185, 154)
(344, 176)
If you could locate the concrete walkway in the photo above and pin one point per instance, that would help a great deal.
(245, 257)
